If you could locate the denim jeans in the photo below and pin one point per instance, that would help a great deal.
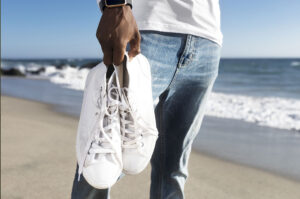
(184, 68)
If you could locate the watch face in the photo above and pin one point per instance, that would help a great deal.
(114, 2)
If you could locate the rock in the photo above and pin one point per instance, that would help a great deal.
(60, 66)
(64, 65)
(36, 72)
(12, 72)
(89, 65)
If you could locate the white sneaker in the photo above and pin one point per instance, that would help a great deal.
(103, 163)
(138, 126)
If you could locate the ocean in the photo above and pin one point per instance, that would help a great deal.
(261, 91)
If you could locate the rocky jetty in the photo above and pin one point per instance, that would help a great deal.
(12, 72)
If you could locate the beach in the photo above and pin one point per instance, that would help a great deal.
(38, 161)
(228, 81)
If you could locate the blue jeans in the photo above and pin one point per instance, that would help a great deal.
(184, 68)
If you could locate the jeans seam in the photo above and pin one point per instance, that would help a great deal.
(162, 163)
(185, 52)
(182, 58)
(162, 143)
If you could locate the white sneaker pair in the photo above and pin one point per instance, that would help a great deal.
(117, 129)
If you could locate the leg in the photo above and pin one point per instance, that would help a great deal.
(179, 116)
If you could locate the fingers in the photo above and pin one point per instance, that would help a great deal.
(115, 55)
(118, 54)
(107, 55)
(104, 40)
(135, 46)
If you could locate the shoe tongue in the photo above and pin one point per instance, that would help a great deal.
(119, 71)
(125, 76)
(111, 80)
(109, 72)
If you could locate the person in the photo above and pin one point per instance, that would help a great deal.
(182, 41)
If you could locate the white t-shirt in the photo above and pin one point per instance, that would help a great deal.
(196, 17)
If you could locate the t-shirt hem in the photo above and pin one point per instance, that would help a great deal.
(215, 37)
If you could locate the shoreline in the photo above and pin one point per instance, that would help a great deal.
(267, 111)
(234, 162)
(39, 154)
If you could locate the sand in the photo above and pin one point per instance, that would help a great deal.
(38, 161)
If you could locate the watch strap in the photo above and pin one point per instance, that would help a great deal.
(102, 4)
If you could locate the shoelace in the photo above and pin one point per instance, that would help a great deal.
(133, 127)
(103, 143)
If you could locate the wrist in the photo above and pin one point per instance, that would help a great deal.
(103, 4)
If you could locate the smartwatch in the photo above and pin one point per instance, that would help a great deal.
(114, 3)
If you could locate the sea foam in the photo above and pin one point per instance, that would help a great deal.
(295, 63)
(69, 77)
(266, 111)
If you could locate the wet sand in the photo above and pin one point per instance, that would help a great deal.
(38, 161)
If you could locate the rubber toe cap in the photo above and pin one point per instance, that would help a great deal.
(102, 176)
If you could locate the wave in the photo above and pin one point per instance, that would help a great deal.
(295, 63)
(265, 111)
(72, 78)
(65, 75)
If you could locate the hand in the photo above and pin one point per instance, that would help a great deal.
(116, 29)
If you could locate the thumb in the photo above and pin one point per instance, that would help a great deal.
(134, 46)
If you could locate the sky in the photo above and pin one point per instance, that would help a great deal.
(67, 28)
